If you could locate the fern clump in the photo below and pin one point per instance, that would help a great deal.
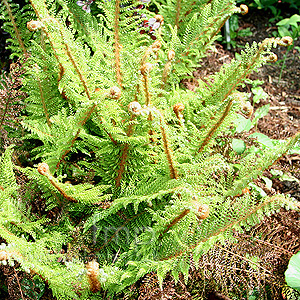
(123, 159)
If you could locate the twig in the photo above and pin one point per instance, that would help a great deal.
(266, 243)
(19, 284)
(244, 258)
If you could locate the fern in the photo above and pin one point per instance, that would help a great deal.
(16, 27)
(124, 160)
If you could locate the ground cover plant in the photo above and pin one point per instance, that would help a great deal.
(126, 162)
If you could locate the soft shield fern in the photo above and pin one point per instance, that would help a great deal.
(124, 160)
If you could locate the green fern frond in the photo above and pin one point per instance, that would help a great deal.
(15, 25)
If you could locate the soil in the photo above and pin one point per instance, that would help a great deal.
(283, 121)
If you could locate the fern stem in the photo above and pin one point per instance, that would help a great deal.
(61, 67)
(1, 188)
(191, 9)
(173, 171)
(146, 86)
(175, 221)
(216, 126)
(87, 116)
(146, 55)
(166, 73)
(122, 165)
(44, 103)
(72, 142)
(82, 79)
(124, 156)
(63, 193)
(117, 44)
(50, 39)
(43, 169)
(109, 134)
(178, 8)
(145, 74)
(12, 19)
